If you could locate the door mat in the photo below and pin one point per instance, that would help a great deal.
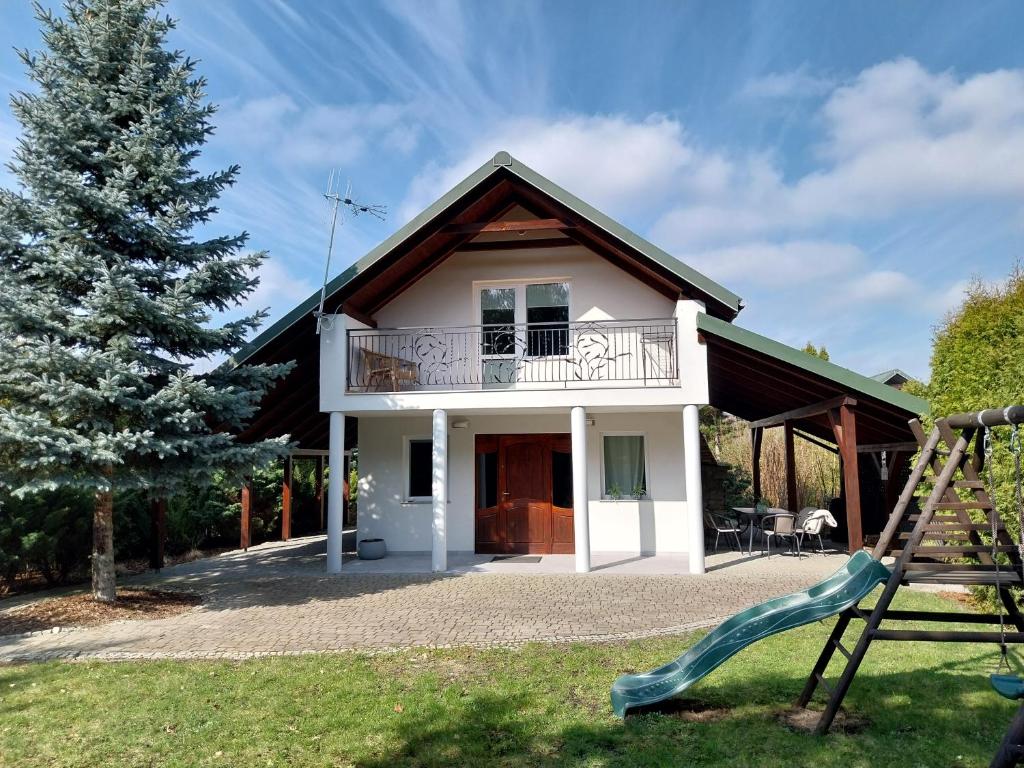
(516, 558)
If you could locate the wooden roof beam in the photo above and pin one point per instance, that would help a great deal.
(527, 225)
(909, 447)
(802, 413)
(518, 245)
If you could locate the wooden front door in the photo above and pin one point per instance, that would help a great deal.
(523, 494)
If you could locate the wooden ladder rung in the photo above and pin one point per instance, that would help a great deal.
(959, 505)
(842, 648)
(965, 578)
(969, 484)
(823, 682)
(953, 527)
(961, 549)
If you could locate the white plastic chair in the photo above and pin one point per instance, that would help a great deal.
(813, 525)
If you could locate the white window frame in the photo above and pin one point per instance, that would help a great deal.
(519, 318)
(627, 495)
(407, 441)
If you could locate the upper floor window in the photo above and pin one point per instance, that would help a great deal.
(547, 319)
(532, 318)
(498, 317)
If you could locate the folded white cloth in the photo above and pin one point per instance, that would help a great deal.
(825, 515)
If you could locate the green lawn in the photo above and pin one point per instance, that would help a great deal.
(925, 705)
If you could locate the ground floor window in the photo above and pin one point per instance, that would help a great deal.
(420, 469)
(625, 466)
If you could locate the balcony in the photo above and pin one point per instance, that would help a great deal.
(582, 355)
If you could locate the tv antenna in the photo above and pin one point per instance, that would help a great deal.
(335, 201)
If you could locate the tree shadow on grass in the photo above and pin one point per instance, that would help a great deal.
(931, 717)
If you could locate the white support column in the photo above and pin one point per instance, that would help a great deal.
(335, 491)
(694, 489)
(439, 493)
(580, 491)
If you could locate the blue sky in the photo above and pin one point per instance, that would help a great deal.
(846, 168)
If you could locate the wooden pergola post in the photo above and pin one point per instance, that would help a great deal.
(791, 500)
(158, 532)
(756, 433)
(246, 512)
(318, 490)
(286, 500)
(847, 439)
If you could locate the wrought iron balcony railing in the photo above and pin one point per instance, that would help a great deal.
(622, 353)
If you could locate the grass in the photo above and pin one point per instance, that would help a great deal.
(923, 705)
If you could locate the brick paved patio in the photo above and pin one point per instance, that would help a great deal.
(276, 599)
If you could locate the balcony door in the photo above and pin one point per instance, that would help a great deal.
(524, 326)
(524, 494)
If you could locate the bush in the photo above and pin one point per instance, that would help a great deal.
(49, 533)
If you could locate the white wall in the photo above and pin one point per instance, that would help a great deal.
(599, 290)
(654, 525)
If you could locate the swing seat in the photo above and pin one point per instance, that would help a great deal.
(1008, 686)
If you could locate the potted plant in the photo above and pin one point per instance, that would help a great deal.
(639, 491)
(614, 492)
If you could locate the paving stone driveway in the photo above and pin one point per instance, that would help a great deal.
(277, 600)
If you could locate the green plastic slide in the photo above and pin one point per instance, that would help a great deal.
(861, 574)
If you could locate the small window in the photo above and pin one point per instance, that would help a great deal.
(487, 480)
(498, 317)
(561, 479)
(547, 319)
(625, 472)
(420, 477)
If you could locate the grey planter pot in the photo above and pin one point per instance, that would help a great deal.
(371, 549)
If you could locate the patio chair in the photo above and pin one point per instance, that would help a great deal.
(721, 524)
(781, 526)
(813, 525)
(387, 373)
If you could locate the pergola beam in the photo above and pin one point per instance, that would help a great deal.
(804, 412)
(815, 441)
(909, 447)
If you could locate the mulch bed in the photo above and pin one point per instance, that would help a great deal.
(82, 611)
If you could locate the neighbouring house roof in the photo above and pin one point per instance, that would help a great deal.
(482, 194)
(754, 377)
(894, 375)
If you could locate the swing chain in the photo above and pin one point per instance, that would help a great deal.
(1018, 495)
(1004, 661)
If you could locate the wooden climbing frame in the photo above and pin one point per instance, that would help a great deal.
(935, 526)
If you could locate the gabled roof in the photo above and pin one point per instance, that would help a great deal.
(848, 380)
(886, 376)
(503, 167)
(758, 379)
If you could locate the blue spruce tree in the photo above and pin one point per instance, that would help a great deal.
(107, 296)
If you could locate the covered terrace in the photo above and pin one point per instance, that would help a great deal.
(863, 421)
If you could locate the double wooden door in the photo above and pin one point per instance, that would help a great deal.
(524, 494)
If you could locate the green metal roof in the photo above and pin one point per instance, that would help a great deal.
(884, 376)
(501, 162)
(812, 364)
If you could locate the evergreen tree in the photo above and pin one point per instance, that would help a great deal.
(107, 297)
(821, 352)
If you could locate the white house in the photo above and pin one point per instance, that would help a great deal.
(526, 376)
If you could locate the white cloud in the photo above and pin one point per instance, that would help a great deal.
(775, 264)
(796, 84)
(320, 135)
(880, 286)
(897, 138)
(610, 161)
(279, 290)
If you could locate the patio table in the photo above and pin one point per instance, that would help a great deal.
(756, 516)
